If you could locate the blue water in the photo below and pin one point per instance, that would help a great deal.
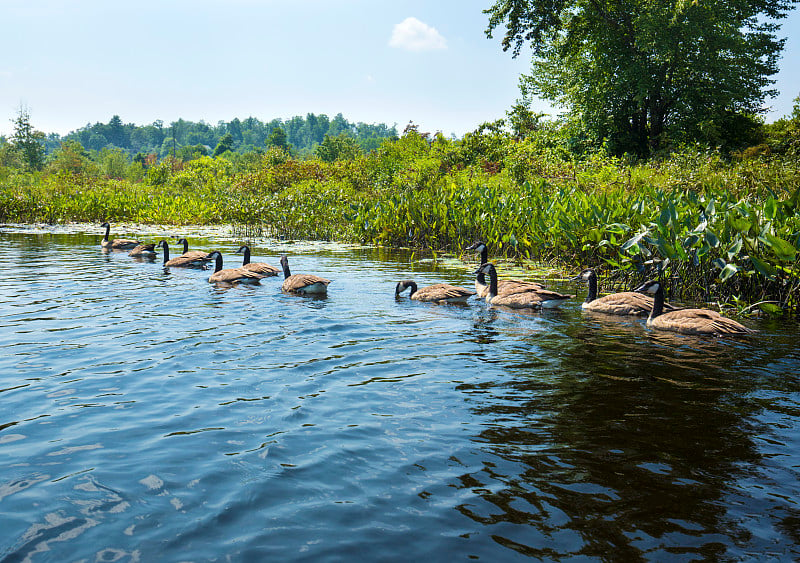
(148, 415)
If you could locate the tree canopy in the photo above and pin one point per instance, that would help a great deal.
(299, 134)
(641, 74)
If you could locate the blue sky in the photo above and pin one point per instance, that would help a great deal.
(79, 62)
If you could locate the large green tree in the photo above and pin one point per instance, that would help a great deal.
(27, 142)
(638, 74)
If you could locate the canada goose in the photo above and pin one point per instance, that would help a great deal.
(302, 283)
(196, 254)
(260, 267)
(231, 275)
(117, 243)
(623, 303)
(147, 251)
(437, 293)
(503, 286)
(525, 299)
(182, 261)
(687, 321)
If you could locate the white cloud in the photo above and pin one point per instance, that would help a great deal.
(414, 35)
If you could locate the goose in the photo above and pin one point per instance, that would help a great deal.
(117, 243)
(147, 251)
(302, 283)
(503, 286)
(182, 261)
(260, 267)
(623, 303)
(231, 275)
(437, 293)
(196, 254)
(525, 299)
(687, 321)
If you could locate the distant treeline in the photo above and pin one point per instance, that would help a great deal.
(300, 134)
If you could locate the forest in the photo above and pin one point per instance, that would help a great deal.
(303, 134)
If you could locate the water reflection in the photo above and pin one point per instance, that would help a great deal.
(635, 442)
(151, 415)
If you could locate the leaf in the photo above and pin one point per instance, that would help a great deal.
(728, 271)
(690, 241)
(719, 263)
(782, 249)
(633, 241)
(734, 248)
(763, 268)
(741, 224)
(711, 239)
(771, 308)
(771, 208)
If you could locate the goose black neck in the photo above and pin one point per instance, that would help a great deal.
(185, 245)
(413, 286)
(218, 265)
(246, 259)
(481, 278)
(658, 302)
(592, 295)
(166, 251)
(492, 281)
(108, 230)
(484, 255)
(285, 266)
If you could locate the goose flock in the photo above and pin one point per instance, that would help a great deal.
(646, 300)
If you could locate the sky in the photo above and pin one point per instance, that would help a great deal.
(374, 61)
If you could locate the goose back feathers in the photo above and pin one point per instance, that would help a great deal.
(231, 275)
(194, 254)
(627, 303)
(688, 321)
(437, 293)
(183, 260)
(302, 283)
(117, 243)
(529, 298)
(505, 286)
(259, 267)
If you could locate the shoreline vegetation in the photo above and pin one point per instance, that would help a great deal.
(718, 228)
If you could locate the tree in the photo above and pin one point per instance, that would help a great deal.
(340, 147)
(27, 142)
(225, 144)
(638, 74)
(277, 138)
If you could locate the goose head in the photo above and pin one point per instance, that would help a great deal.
(478, 246)
(403, 285)
(650, 286)
(585, 275)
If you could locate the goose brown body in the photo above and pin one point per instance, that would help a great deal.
(232, 275)
(688, 321)
(194, 254)
(626, 303)
(117, 243)
(143, 251)
(530, 298)
(506, 286)
(436, 293)
(258, 267)
(302, 283)
(183, 260)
